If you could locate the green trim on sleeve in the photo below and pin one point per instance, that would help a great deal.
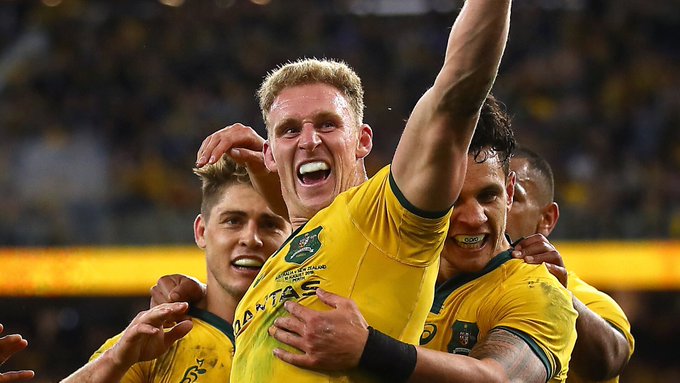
(534, 347)
(409, 206)
(215, 321)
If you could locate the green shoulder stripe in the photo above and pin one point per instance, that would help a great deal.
(409, 206)
(215, 321)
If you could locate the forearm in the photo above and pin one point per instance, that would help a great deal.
(601, 352)
(437, 366)
(473, 55)
(104, 369)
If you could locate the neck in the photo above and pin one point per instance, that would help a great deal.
(220, 303)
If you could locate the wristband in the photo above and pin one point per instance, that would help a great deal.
(387, 358)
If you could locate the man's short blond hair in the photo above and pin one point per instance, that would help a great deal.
(311, 71)
(216, 177)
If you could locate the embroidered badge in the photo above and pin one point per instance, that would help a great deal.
(464, 337)
(304, 246)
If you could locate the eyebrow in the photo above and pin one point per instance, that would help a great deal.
(242, 213)
(316, 117)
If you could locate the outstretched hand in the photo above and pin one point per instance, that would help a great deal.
(536, 249)
(10, 345)
(329, 340)
(146, 337)
(178, 288)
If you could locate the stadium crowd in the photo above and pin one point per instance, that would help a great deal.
(104, 104)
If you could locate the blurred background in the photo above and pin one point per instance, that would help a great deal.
(103, 105)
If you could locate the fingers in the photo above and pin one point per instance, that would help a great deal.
(300, 360)
(253, 159)
(177, 288)
(298, 311)
(177, 332)
(330, 299)
(222, 141)
(10, 345)
(189, 290)
(16, 376)
(536, 249)
(165, 313)
(286, 337)
(559, 272)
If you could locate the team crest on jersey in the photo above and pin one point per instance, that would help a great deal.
(304, 246)
(192, 373)
(464, 337)
(429, 331)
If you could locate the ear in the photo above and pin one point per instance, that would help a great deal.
(199, 231)
(365, 142)
(510, 188)
(549, 216)
(269, 161)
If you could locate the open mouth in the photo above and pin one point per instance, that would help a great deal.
(247, 264)
(470, 241)
(313, 172)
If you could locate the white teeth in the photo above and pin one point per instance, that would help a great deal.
(311, 167)
(469, 240)
(248, 262)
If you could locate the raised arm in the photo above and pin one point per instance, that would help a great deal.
(438, 133)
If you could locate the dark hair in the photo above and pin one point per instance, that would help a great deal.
(494, 132)
(540, 165)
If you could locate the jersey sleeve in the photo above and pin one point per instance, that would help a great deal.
(535, 307)
(602, 305)
(393, 225)
(134, 375)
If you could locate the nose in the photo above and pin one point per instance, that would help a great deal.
(250, 235)
(309, 137)
(470, 214)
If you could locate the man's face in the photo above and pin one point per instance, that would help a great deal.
(525, 215)
(238, 237)
(477, 227)
(315, 145)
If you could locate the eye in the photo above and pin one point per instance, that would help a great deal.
(488, 196)
(232, 221)
(290, 131)
(328, 125)
(270, 225)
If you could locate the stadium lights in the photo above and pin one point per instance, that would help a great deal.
(172, 3)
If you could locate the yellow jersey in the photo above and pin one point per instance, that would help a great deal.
(204, 355)
(369, 245)
(523, 299)
(604, 306)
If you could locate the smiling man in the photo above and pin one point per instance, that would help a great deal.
(493, 318)
(238, 232)
(355, 237)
